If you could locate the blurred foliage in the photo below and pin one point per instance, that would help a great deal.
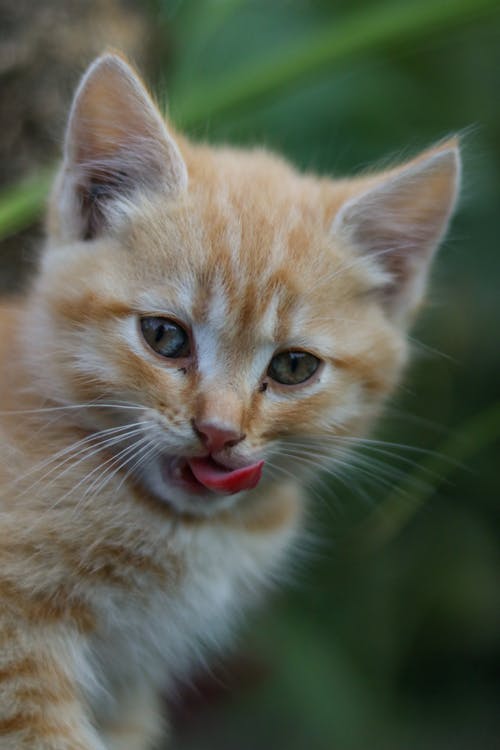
(390, 636)
(20, 205)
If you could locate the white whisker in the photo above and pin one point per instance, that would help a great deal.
(81, 450)
(111, 463)
(69, 407)
(140, 455)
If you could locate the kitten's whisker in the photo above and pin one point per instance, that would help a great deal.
(143, 457)
(289, 474)
(379, 473)
(392, 412)
(332, 469)
(93, 445)
(430, 349)
(392, 449)
(110, 463)
(403, 459)
(75, 446)
(335, 440)
(144, 452)
(89, 474)
(374, 462)
(386, 443)
(150, 451)
(309, 463)
(393, 454)
(354, 463)
(70, 492)
(100, 467)
(70, 407)
(95, 439)
(347, 478)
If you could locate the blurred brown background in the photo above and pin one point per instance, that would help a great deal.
(44, 47)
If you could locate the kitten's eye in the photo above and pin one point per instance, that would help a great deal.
(292, 368)
(166, 337)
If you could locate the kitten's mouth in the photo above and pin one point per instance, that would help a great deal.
(200, 474)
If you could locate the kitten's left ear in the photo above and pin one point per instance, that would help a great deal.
(116, 143)
(397, 219)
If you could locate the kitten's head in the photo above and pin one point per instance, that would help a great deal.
(228, 308)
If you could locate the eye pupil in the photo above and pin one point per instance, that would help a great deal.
(293, 367)
(165, 337)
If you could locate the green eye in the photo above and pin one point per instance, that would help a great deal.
(166, 337)
(292, 368)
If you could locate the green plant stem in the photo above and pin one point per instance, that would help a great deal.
(396, 510)
(358, 34)
(21, 204)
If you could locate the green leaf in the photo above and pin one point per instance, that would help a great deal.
(360, 33)
(21, 205)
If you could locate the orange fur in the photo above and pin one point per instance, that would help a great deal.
(112, 574)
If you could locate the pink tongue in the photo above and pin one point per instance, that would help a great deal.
(216, 477)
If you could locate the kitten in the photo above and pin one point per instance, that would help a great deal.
(205, 328)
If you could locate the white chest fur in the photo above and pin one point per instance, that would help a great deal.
(157, 635)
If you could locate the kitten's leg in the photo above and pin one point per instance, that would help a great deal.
(41, 706)
(138, 723)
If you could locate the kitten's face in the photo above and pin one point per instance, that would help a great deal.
(239, 315)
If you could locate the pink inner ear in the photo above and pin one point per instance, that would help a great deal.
(116, 142)
(397, 221)
(216, 477)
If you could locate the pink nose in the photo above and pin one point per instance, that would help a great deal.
(217, 436)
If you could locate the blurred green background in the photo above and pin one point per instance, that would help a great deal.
(388, 635)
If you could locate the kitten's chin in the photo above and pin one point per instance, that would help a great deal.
(198, 486)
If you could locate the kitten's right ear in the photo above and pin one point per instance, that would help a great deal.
(394, 221)
(116, 143)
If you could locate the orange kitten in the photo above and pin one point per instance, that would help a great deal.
(205, 326)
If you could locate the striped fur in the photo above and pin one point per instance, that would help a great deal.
(114, 581)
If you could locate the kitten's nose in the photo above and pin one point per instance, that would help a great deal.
(216, 436)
